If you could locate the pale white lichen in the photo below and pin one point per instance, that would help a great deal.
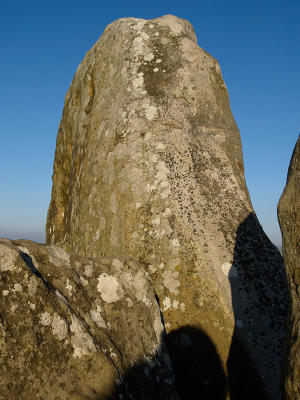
(109, 288)
(81, 341)
(138, 284)
(69, 287)
(83, 281)
(166, 303)
(149, 57)
(17, 287)
(7, 258)
(138, 82)
(88, 270)
(139, 42)
(175, 304)
(170, 281)
(97, 317)
(59, 327)
(45, 318)
(150, 112)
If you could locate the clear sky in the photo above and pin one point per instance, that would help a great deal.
(42, 42)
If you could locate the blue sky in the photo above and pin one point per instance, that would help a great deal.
(42, 42)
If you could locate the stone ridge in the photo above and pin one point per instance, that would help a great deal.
(289, 219)
(78, 328)
(149, 163)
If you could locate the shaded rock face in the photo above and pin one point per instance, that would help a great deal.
(289, 219)
(78, 328)
(149, 163)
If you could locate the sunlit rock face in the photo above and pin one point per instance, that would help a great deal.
(78, 328)
(289, 219)
(149, 164)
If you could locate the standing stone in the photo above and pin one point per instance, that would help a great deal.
(289, 219)
(149, 163)
(78, 329)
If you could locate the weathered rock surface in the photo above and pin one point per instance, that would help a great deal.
(149, 163)
(289, 219)
(78, 328)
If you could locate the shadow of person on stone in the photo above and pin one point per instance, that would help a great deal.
(196, 366)
(259, 298)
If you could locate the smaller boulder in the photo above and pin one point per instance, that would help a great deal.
(78, 328)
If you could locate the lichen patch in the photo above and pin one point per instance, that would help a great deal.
(7, 258)
(166, 303)
(17, 288)
(97, 317)
(45, 318)
(109, 288)
(59, 327)
(81, 341)
(170, 281)
(88, 270)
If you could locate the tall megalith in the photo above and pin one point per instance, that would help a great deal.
(289, 219)
(149, 164)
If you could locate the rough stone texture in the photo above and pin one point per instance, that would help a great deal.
(78, 328)
(149, 163)
(289, 219)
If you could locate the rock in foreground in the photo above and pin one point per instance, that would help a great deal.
(75, 328)
(289, 219)
(149, 163)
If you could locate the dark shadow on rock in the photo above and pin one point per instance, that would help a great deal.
(243, 378)
(196, 365)
(259, 298)
(149, 379)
